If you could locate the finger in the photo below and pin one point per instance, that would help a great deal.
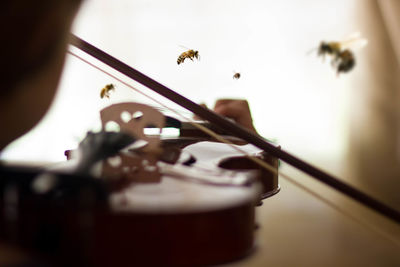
(228, 111)
(195, 116)
(224, 101)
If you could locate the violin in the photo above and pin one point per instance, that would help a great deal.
(185, 210)
(194, 210)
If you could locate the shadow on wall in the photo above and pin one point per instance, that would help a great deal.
(374, 131)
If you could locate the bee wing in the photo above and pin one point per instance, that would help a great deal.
(354, 35)
(355, 44)
(184, 47)
(354, 41)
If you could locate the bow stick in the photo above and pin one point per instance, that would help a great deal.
(235, 129)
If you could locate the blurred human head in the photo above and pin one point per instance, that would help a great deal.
(35, 36)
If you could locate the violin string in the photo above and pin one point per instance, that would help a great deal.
(170, 109)
(247, 155)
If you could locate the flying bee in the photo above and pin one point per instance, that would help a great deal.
(188, 54)
(236, 75)
(343, 59)
(105, 91)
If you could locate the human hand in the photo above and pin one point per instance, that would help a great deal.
(235, 109)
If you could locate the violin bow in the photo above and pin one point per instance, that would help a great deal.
(236, 130)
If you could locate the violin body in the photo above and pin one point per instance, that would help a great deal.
(199, 238)
(181, 217)
(176, 222)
